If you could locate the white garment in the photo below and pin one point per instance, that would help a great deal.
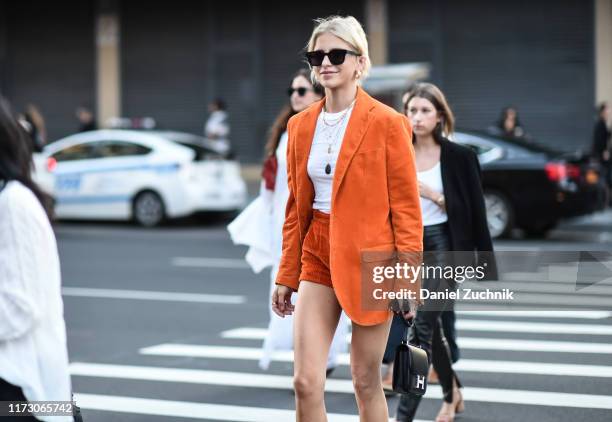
(217, 130)
(431, 212)
(319, 157)
(260, 226)
(33, 352)
(217, 125)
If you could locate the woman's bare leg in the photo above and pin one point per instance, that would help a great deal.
(367, 350)
(314, 322)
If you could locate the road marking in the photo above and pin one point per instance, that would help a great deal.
(534, 327)
(182, 409)
(282, 382)
(536, 300)
(468, 365)
(474, 343)
(474, 325)
(547, 287)
(200, 262)
(150, 295)
(567, 314)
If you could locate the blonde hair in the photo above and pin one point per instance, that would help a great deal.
(349, 30)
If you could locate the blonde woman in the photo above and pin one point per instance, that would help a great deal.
(352, 187)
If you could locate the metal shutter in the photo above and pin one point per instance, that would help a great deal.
(49, 59)
(537, 56)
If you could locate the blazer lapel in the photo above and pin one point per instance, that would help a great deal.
(356, 128)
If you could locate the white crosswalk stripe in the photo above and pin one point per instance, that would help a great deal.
(181, 409)
(468, 365)
(532, 362)
(472, 325)
(284, 382)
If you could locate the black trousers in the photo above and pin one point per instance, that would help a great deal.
(12, 393)
(427, 329)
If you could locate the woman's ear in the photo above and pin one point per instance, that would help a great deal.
(362, 63)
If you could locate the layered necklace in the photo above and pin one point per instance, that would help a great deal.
(334, 126)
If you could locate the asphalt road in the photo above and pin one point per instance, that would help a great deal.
(165, 325)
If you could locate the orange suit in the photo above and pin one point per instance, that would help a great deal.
(375, 198)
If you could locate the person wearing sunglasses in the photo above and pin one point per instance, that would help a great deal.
(267, 214)
(352, 189)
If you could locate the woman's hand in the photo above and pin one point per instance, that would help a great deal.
(428, 193)
(281, 301)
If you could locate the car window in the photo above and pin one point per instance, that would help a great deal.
(479, 149)
(106, 149)
(76, 152)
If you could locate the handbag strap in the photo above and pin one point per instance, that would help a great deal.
(407, 325)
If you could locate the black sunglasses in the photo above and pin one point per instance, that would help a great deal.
(336, 56)
(301, 91)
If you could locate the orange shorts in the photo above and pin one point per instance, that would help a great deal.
(315, 251)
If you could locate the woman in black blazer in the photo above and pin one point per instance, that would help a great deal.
(454, 219)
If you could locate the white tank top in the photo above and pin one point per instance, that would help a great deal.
(431, 212)
(319, 157)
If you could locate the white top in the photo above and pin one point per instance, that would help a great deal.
(279, 198)
(432, 213)
(33, 352)
(217, 125)
(319, 157)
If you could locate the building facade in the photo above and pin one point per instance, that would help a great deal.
(168, 60)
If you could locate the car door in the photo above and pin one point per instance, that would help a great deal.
(72, 183)
(119, 170)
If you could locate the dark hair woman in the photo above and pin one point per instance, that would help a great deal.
(16, 154)
(509, 123)
(454, 219)
(33, 352)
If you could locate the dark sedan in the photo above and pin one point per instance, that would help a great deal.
(531, 186)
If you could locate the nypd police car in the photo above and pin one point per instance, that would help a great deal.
(146, 176)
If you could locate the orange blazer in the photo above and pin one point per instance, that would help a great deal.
(375, 198)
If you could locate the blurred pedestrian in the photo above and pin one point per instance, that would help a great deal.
(352, 187)
(217, 127)
(454, 219)
(34, 124)
(601, 141)
(509, 125)
(86, 119)
(267, 213)
(33, 352)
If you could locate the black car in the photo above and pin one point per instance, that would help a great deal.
(531, 186)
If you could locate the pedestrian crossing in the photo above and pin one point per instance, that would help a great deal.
(220, 365)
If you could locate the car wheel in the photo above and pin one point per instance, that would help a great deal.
(148, 209)
(499, 214)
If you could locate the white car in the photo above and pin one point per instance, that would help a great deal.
(140, 175)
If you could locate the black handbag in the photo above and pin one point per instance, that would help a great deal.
(410, 367)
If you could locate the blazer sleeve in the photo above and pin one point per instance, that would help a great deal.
(482, 237)
(403, 187)
(290, 264)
